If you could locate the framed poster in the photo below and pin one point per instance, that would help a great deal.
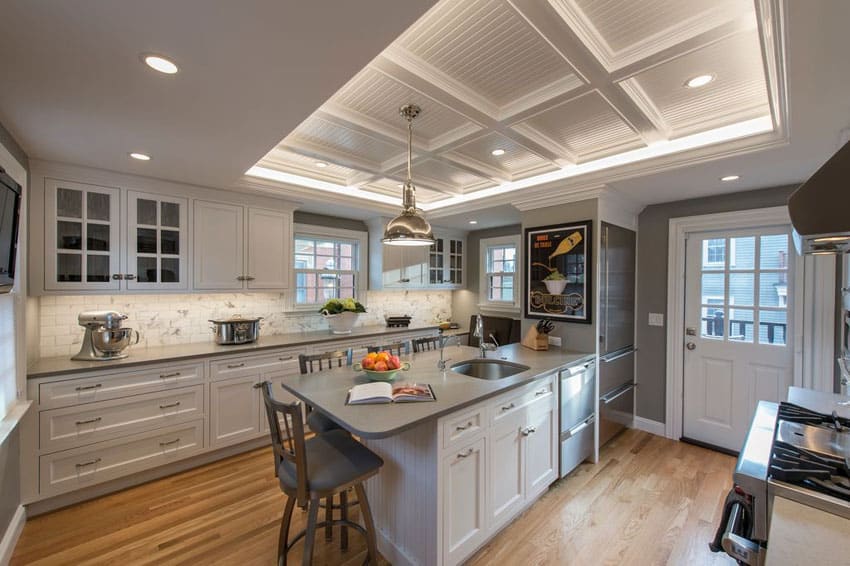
(558, 269)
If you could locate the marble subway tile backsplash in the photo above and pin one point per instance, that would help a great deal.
(182, 319)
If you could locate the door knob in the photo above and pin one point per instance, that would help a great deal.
(691, 346)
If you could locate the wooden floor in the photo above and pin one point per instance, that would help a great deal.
(648, 501)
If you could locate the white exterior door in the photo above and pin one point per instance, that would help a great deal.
(738, 330)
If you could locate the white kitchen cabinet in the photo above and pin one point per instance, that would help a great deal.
(240, 248)
(81, 237)
(464, 500)
(446, 261)
(157, 242)
(234, 410)
(404, 267)
(541, 448)
(507, 469)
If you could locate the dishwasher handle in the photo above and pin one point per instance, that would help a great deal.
(619, 392)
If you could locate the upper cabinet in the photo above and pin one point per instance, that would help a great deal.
(439, 266)
(105, 239)
(240, 248)
(81, 231)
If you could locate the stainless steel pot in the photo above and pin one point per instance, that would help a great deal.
(236, 329)
(112, 341)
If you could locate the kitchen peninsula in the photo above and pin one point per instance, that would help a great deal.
(456, 470)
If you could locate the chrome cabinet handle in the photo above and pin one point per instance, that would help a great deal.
(508, 407)
(466, 454)
(543, 391)
(167, 375)
(89, 421)
(528, 430)
(248, 278)
(258, 385)
(170, 405)
(170, 442)
(129, 276)
(89, 463)
(234, 366)
(240, 278)
(117, 276)
(404, 280)
(89, 387)
(464, 427)
(287, 358)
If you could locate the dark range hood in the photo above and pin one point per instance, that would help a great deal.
(820, 208)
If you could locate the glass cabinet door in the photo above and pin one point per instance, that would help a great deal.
(81, 236)
(436, 263)
(455, 262)
(156, 240)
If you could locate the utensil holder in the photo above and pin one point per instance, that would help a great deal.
(535, 340)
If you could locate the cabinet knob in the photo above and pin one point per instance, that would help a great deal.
(117, 276)
(465, 454)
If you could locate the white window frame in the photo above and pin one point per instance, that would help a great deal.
(361, 278)
(728, 251)
(484, 303)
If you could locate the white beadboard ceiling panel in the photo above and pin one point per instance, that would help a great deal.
(279, 158)
(488, 47)
(323, 135)
(517, 161)
(737, 93)
(585, 126)
(441, 174)
(390, 187)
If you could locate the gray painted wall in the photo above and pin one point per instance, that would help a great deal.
(653, 229)
(465, 301)
(12, 146)
(329, 221)
(574, 336)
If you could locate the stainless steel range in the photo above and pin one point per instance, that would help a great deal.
(798, 452)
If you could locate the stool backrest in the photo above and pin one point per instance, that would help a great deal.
(395, 349)
(310, 363)
(423, 344)
(286, 427)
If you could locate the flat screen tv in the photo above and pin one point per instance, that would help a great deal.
(10, 208)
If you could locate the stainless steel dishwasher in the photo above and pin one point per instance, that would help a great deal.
(578, 412)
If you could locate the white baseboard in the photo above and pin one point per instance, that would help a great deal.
(10, 537)
(650, 426)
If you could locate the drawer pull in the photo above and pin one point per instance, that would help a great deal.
(170, 405)
(528, 430)
(508, 407)
(89, 463)
(543, 391)
(287, 358)
(89, 421)
(234, 366)
(167, 375)
(466, 454)
(464, 427)
(170, 442)
(89, 387)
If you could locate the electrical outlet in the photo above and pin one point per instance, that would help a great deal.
(554, 340)
(656, 319)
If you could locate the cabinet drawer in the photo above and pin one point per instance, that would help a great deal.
(235, 367)
(114, 385)
(457, 429)
(68, 427)
(81, 467)
(535, 392)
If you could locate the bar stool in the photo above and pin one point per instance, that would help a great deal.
(311, 363)
(317, 468)
(397, 348)
(423, 344)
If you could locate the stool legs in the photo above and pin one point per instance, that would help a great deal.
(368, 523)
(283, 537)
(310, 536)
(329, 516)
(343, 514)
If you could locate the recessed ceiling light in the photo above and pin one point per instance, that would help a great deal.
(321, 164)
(473, 222)
(728, 178)
(699, 80)
(160, 63)
(497, 152)
(140, 156)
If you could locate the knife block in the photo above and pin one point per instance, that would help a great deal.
(535, 340)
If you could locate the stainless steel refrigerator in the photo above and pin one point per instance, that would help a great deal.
(616, 330)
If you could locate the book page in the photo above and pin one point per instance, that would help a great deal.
(375, 392)
(406, 392)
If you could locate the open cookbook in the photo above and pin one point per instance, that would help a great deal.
(383, 392)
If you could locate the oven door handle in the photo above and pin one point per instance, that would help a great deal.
(736, 546)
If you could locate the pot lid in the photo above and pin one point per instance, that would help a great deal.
(236, 318)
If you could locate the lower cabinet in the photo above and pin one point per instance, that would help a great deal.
(490, 476)
(234, 410)
(465, 493)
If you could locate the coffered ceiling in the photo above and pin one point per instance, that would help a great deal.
(560, 88)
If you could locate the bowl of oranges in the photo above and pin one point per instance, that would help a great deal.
(381, 366)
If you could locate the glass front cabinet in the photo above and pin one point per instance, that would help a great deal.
(83, 239)
(445, 261)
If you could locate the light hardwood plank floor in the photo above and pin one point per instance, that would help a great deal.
(648, 501)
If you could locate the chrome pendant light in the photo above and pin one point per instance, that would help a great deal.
(409, 228)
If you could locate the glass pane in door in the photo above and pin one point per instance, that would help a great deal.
(741, 325)
(69, 203)
(146, 212)
(774, 252)
(713, 289)
(741, 289)
(170, 214)
(146, 269)
(773, 326)
(145, 241)
(69, 267)
(170, 270)
(69, 235)
(169, 241)
(97, 268)
(742, 252)
(712, 322)
(97, 237)
(97, 206)
(773, 289)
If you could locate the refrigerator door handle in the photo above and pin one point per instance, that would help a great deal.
(620, 391)
(617, 355)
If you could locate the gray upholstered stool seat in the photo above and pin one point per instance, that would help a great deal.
(333, 459)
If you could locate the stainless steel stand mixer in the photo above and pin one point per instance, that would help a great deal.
(105, 338)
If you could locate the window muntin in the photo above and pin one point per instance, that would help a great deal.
(325, 268)
(501, 265)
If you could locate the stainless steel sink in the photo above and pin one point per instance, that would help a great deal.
(488, 369)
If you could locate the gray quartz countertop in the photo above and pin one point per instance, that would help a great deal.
(48, 367)
(327, 391)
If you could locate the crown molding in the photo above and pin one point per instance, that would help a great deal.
(640, 99)
(544, 199)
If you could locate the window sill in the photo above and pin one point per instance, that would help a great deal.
(13, 418)
(494, 307)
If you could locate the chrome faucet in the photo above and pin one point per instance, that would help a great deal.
(478, 332)
(443, 342)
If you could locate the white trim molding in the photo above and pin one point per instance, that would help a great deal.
(650, 426)
(483, 291)
(679, 229)
(12, 534)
